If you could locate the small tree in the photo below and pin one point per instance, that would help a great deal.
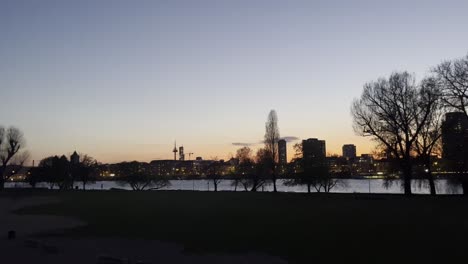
(312, 172)
(36, 175)
(263, 169)
(11, 143)
(139, 176)
(245, 168)
(214, 172)
(85, 171)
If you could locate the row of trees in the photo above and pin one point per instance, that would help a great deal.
(63, 173)
(405, 117)
(253, 172)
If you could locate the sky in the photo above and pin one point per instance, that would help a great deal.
(122, 80)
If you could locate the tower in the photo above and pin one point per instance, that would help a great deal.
(75, 158)
(181, 153)
(175, 150)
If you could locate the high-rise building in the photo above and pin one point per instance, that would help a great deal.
(349, 151)
(313, 148)
(455, 137)
(282, 152)
(181, 153)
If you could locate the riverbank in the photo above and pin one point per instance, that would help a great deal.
(326, 228)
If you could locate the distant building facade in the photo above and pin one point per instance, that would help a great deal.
(349, 151)
(313, 148)
(455, 137)
(282, 152)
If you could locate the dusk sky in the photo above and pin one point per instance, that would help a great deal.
(121, 80)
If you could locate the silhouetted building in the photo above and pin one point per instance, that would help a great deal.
(75, 158)
(349, 151)
(455, 137)
(313, 148)
(366, 164)
(282, 152)
(181, 153)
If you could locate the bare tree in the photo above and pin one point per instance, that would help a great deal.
(453, 76)
(214, 172)
(245, 168)
(139, 176)
(392, 113)
(264, 167)
(428, 142)
(272, 136)
(312, 172)
(11, 144)
(85, 171)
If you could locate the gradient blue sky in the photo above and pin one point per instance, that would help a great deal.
(121, 80)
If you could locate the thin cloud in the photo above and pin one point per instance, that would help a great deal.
(290, 138)
(242, 144)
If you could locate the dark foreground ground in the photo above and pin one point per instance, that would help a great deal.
(300, 228)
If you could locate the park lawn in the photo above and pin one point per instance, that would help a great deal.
(302, 228)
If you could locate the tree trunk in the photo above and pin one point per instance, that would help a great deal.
(2, 179)
(430, 176)
(407, 171)
(308, 188)
(84, 186)
(432, 184)
(274, 185)
(254, 187)
(215, 186)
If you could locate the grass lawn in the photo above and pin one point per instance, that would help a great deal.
(301, 228)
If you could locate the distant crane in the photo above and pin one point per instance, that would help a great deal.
(190, 155)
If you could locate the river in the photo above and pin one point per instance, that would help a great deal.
(345, 186)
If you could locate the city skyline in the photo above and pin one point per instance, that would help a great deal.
(123, 81)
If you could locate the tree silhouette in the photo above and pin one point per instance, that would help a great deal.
(11, 144)
(139, 176)
(272, 136)
(428, 142)
(245, 168)
(214, 172)
(85, 171)
(56, 171)
(393, 113)
(312, 172)
(453, 76)
(263, 169)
